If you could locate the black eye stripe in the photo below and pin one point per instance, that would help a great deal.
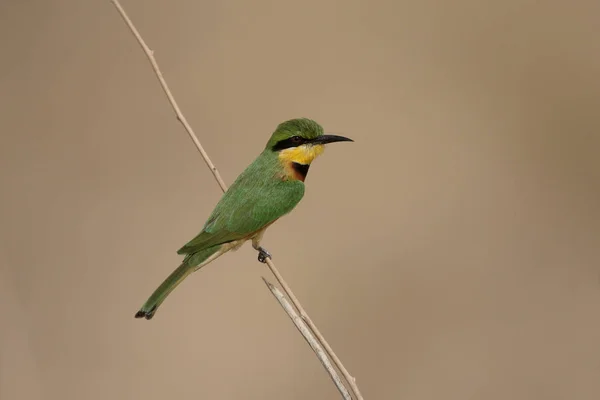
(294, 141)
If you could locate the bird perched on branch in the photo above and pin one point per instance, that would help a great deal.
(268, 189)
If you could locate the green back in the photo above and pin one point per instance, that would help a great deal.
(257, 197)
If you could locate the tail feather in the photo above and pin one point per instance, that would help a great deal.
(191, 263)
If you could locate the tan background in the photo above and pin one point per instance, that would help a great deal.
(451, 252)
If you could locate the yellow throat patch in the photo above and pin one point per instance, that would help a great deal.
(303, 154)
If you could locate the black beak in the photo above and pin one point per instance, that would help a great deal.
(324, 139)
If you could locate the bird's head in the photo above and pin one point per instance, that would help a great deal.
(300, 141)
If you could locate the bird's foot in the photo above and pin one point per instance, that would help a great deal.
(263, 254)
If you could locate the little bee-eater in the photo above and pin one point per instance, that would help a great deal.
(268, 189)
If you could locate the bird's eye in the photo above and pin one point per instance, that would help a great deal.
(296, 139)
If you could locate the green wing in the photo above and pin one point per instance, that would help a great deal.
(257, 198)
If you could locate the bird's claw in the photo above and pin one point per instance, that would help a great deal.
(263, 254)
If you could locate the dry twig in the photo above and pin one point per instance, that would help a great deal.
(312, 342)
(304, 320)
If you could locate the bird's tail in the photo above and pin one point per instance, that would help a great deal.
(191, 263)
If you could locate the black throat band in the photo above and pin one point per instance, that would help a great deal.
(301, 169)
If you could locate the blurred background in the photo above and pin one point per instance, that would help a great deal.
(451, 252)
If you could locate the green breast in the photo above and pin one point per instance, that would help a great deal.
(258, 197)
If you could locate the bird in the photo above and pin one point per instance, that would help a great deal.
(269, 188)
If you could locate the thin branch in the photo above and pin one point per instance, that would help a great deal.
(304, 315)
(312, 342)
(338, 363)
(150, 54)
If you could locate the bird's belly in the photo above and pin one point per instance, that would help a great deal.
(236, 244)
(224, 248)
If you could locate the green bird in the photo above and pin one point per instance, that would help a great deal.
(268, 189)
